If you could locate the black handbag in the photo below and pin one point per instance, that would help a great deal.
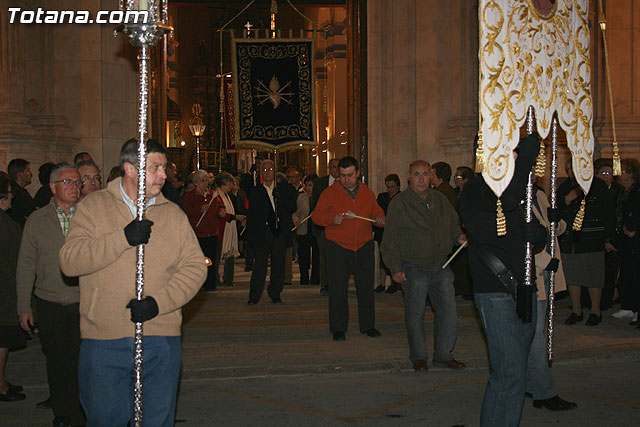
(520, 292)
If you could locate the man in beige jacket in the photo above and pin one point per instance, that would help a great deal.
(539, 383)
(56, 296)
(101, 249)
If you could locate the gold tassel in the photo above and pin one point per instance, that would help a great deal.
(479, 155)
(617, 167)
(577, 221)
(501, 221)
(541, 161)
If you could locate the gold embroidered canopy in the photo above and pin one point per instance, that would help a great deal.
(534, 53)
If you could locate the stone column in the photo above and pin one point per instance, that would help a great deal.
(392, 88)
(12, 73)
(623, 33)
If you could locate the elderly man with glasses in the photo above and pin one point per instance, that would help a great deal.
(268, 230)
(90, 178)
(56, 295)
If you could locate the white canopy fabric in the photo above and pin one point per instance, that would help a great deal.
(534, 53)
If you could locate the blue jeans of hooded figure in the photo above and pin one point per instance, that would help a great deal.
(432, 281)
(539, 379)
(508, 341)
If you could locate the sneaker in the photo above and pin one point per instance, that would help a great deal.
(623, 314)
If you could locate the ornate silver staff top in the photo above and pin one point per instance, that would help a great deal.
(145, 25)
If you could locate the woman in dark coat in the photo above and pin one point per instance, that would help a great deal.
(11, 336)
(583, 251)
(628, 240)
(392, 182)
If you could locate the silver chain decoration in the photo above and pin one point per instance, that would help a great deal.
(553, 233)
(144, 36)
(528, 213)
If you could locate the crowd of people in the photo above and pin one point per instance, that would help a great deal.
(64, 251)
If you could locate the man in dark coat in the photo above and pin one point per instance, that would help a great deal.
(319, 186)
(20, 173)
(268, 231)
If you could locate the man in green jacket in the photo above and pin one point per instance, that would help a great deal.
(420, 231)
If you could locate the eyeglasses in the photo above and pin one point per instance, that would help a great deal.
(267, 169)
(96, 179)
(605, 173)
(458, 177)
(69, 182)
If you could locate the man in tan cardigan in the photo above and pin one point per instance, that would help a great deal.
(56, 296)
(539, 381)
(101, 249)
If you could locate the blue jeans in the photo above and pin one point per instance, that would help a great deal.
(508, 341)
(539, 379)
(431, 280)
(105, 375)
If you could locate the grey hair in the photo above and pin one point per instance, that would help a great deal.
(199, 174)
(59, 168)
(223, 178)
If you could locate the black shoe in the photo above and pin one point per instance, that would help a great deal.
(251, 302)
(288, 283)
(593, 320)
(379, 289)
(573, 319)
(633, 322)
(467, 297)
(556, 403)
(14, 388)
(61, 422)
(11, 396)
(373, 333)
(528, 394)
(304, 283)
(276, 300)
(391, 289)
(45, 404)
(248, 269)
(339, 336)
(324, 290)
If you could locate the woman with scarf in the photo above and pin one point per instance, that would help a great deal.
(227, 246)
(205, 211)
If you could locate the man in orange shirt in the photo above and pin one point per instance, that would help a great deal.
(346, 210)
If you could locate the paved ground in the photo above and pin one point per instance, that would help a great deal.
(276, 365)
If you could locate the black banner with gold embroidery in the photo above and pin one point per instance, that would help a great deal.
(273, 81)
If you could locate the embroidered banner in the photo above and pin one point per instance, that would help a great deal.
(534, 52)
(229, 116)
(274, 85)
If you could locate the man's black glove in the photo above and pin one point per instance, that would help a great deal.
(143, 310)
(554, 215)
(553, 265)
(534, 233)
(138, 232)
